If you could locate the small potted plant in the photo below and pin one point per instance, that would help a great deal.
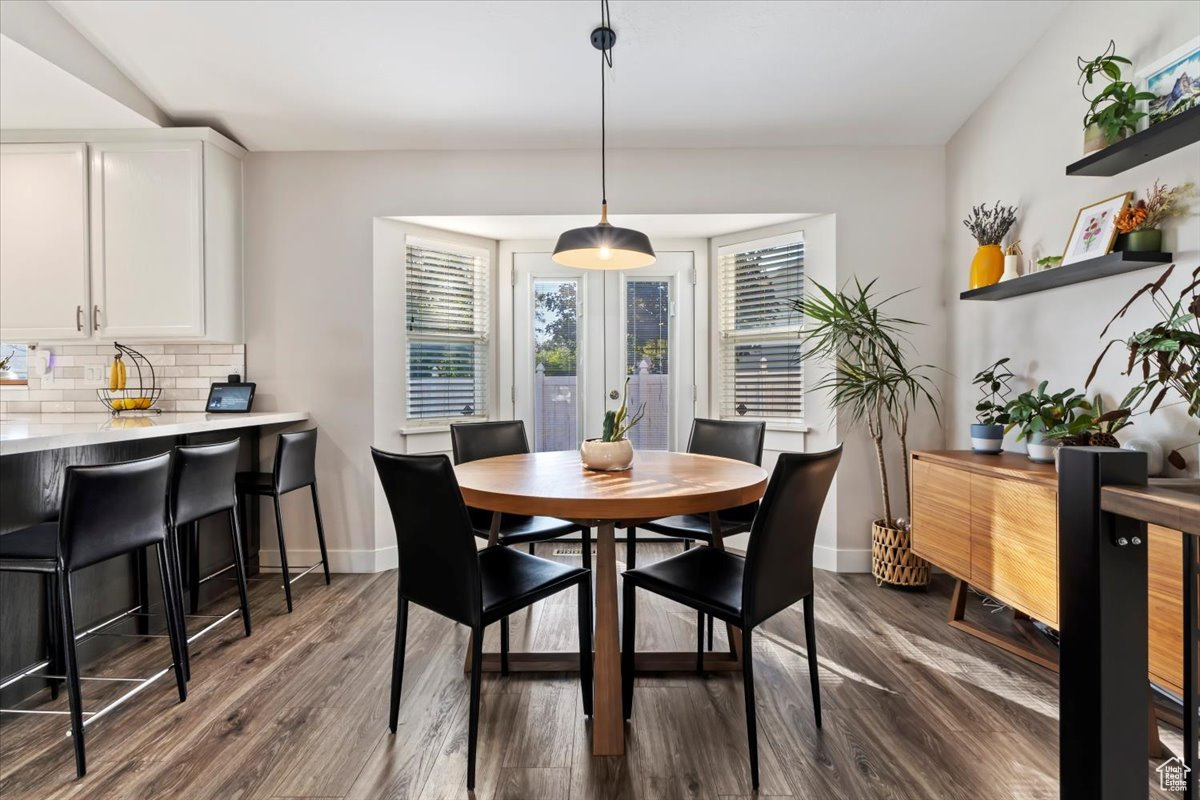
(1113, 111)
(1045, 421)
(988, 226)
(1138, 224)
(613, 451)
(5, 366)
(1049, 262)
(987, 432)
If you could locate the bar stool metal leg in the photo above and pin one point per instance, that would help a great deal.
(239, 565)
(320, 532)
(178, 643)
(53, 646)
(283, 564)
(193, 560)
(74, 696)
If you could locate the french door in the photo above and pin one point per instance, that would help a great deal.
(584, 337)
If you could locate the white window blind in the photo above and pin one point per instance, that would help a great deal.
(761, 373)
(446, 314)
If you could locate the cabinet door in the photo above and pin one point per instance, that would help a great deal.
(44, 246)
(1164, 567)
(148, 239)
(941, 516)
(1014, 544)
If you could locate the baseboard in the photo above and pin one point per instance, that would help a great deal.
(339, 560)
(834, 559)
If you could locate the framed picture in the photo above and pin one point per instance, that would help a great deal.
(1174, 80)
(1095, 229)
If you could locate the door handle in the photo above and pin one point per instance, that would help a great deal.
(96, 318)
(79, 318)
(614, 395)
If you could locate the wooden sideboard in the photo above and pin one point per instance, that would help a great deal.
(991, 521)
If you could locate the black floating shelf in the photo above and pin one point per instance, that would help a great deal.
(1158, 140)
(1080, 271)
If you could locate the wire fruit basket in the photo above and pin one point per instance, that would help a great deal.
(124, 395)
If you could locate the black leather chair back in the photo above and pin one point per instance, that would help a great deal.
(295, 460)
(472, 441)
(439, 565)
(741, 441)
(475, 440)
(779, 558)
(112, 509)
(202, 480)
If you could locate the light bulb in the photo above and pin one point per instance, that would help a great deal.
(605, 253)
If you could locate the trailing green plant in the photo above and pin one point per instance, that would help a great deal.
(618, 423)
(1166, 355)
(872, 382)
(994, 390)
(1055, 416)
(1114, 108)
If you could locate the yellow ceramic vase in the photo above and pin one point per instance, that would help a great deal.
(987, 266)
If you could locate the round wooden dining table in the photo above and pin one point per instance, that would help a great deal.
(659, 484)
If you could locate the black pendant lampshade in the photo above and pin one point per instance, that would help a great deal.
(604, 246)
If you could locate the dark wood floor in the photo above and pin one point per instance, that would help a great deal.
(912, 710)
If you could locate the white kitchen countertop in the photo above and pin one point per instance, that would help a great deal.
(31, 433)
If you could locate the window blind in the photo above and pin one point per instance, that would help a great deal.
(759, 358)
(446, 314)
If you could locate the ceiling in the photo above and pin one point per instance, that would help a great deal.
(656, 226)
(35, 93)
(473, 74)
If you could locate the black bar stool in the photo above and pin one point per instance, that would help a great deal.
(295, 468)
(202, 484)
(107, 511)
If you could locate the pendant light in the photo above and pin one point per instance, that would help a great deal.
(603, 245)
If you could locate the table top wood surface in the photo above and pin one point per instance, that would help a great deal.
(659, 484)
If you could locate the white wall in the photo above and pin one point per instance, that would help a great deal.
(310, 235)
(1014, 149)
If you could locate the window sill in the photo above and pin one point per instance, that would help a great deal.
(435, 426)
(13, 382)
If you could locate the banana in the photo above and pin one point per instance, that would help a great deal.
(114, 374)
(120, 373)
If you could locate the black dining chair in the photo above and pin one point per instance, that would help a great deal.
(107, 511)
(776, 572)
(295, 468)
(472, 441)
(202, 485)
(442, 570)
(735, 439)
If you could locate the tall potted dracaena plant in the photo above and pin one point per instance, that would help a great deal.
(872, 384)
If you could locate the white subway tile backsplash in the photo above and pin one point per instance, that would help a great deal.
(182, 348)
(22, 407)
(192, 383)
(184, 360)
(45, 394)
(76, 349)
(190, 405)
(180, 372)
(59, 407)
(216, 348)
(219, 371)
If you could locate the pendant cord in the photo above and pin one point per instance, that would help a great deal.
(605, 58)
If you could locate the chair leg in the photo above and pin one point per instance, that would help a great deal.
(630, 548)
(398, 663)
(142, 589)
(171, 542)
(699, 641)
(587, 548)
(687, 544)
(504, 646)
(74, 696)
(53, 647)
(628, 630)
(531, 549)
(710, 632)
(810, 644)
(283, 565)
(473, 722)
(193, 559)
(751, 713)
(171, 607)
(585, 642)
(320, 532)
(239, 567)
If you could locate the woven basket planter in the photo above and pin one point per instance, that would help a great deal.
(892, 559)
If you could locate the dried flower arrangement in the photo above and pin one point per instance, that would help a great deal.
(989, 225)
(1160, 204)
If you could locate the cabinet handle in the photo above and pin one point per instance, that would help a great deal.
(96, 318)
(79, 318)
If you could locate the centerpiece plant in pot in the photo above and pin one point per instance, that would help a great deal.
(1138, 224)
(613, 451)
(1045, 421)
(872, 384)
(987, 432)
(1112, 112)
(988, 226)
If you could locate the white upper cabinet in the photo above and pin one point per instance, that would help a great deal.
(44, 242)
(148, 239)
(162, 234)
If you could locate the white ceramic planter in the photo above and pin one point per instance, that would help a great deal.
(606, 456)
(1041, 450)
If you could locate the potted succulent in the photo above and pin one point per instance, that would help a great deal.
(1049, 262)
(987, 432)
(872, 384)
(613, 451)
(1138, 224)
(1166, 355)
(1113, 111)
(1045, 420)
(988, 226)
